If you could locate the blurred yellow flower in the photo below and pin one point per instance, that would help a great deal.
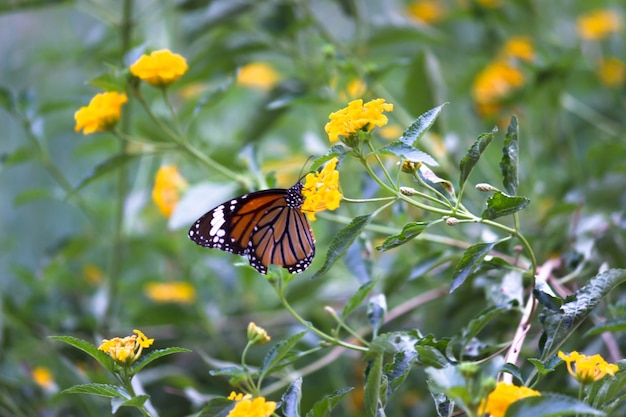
(612, 72)
(599, 24)
(125, 351)
(587, 368)
(102, 113)
(391, 132)
(258, 75)
(502, 397)
(493, 84)
(257, 335)
(490, 4)
(321, 190)
(42, 377)
(357, 116)
(248, 407)
(426, 11)
(160, 68)
(519, 47)
(355, 89)
(92, 274)
(170, 292)
(168, 185)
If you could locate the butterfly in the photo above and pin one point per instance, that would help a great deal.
(267, 226)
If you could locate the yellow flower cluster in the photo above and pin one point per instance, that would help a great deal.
(170, 292)
(321, 190)
(426, 11)
(587, 368)
(599, 24)
(168, 185)
(519, 47)
(43, 377)
(248, 407)
(257, 335)
(102, 113)
(160, 68)
(258, 75)
(125, 351)
(502, 397)
(612, 72)
(357, 116)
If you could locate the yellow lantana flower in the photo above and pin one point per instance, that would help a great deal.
(502, 397)
(125, 351)
(612, 72)
(257, 335)
(170, 292)
(248, 407)
(168, 185)
(494, 83)
(102, 113)
(599, 24)
(427, 11)
(357, 116)
(587, 368)
(43, 377)
(519, 47)
(160, 68)
(321, 190)
(258, 75)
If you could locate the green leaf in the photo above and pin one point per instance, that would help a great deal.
(431, 352)
(336, 151)
(397, 371)
(279, 352)
(478, 323)
(394, 342)
(341, 241)
(113, 80)
(7, 101)
(615, 325)
(217, 407)
(291, 399)
(559, 325)
(18, 156)
(154, 355)
(373, 377)
(514, 370)
(32, 194)
(408, 152)
(357, 298)
(137, 401)
(473, 155)
(106, 167)
(228, 371)
(420, 126)
(324, 406)
(409, 231)
(509, 162)
(472, 257)
(104, 359)
(103, 390)
(544, 368)
(550, 405)
(430, 178)
(500, 204)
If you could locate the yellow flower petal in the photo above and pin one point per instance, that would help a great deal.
(427, 11)
(587, 369)
(502, 397)
(248, 407)
(612, 72)
(102, 113)
(168, 185)
(170, 292)
(160, 68)
(599, 24)
(321, 190)
(357, 116)
(258, 75)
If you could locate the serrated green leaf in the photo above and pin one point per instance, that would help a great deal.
(217, 407)
(103, 390)
(550, 405)
(335, 151)
(558, 326)
(137, 401)
(409, 232)
(420, 126)
(510, 158)
(544, 368)
(341, 241)
(106, 167)
(324, 406)
(154, 355)
(104, 359)
(472, 257)
(397, 371)
(514, 370)
(473, 155)
(279, 351)
(7, 101)
(373, 377)
(357, 298)
(408, 152)
(291, 399)
(500, 204)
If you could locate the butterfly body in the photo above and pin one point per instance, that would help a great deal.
(267, 226)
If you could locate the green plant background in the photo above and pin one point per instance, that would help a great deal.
(572, 152)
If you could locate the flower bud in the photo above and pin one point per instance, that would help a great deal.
(408, 191)
(452, 221)
(257, 335)
(484, 187)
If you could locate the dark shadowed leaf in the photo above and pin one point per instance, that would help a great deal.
(500, 204)
(341, 241)
(472, 257)
(420, 126)
(291, 399)
(510, 158)
(477, 323)
(473, 155)
(357, 298)
(279, 352)
(559, 325)
(217, 407)
(409, 231)
(323, 407)
(397, 371)
(7, 101)
(550, 405)
(408, 152)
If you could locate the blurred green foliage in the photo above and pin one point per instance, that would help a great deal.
(80, 236)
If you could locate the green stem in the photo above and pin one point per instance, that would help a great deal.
(366, 200)
(347, 328)
(380, 162)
